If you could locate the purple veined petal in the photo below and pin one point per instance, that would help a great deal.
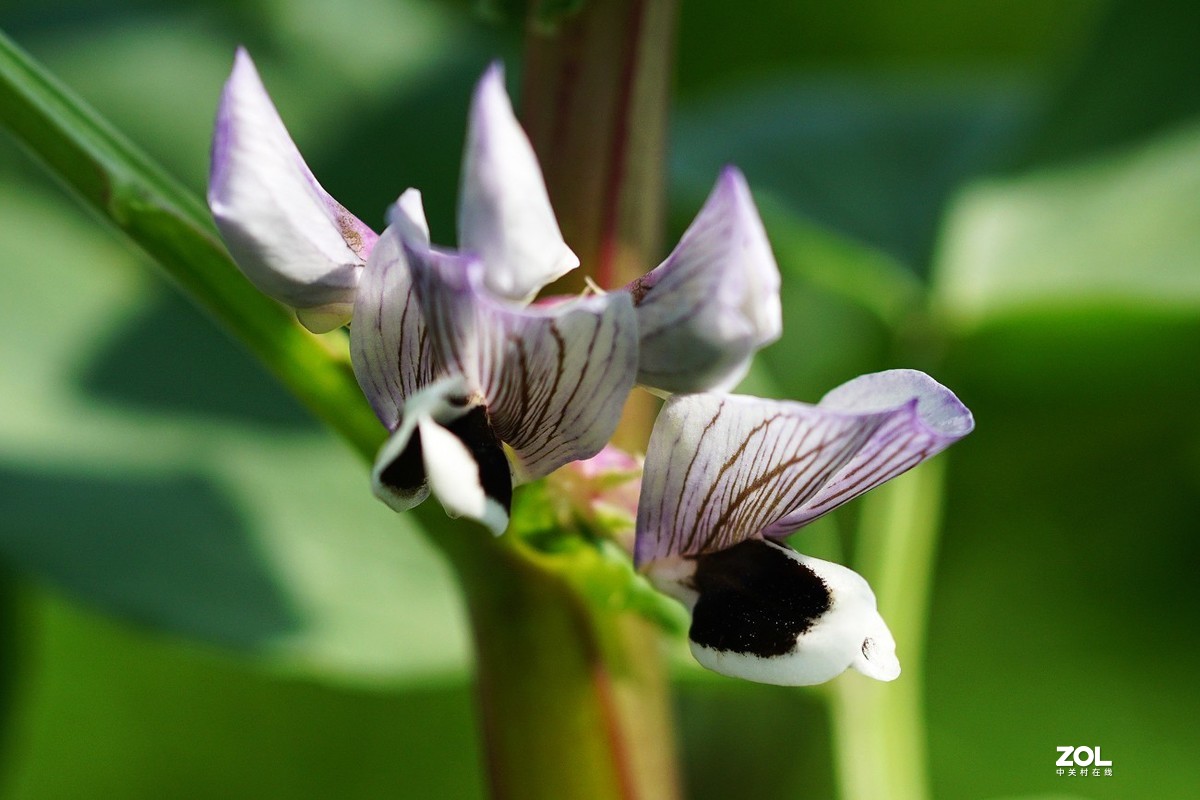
(924, 419)
(721, 468)
(554, 378)
(290, 238)
(389, 347)
(763, 612)
(724, 469)
(504, 214)
(445, 445)
(714, 301)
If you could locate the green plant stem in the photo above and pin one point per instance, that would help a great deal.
(570, 695)
(594, 101)
(879, 728)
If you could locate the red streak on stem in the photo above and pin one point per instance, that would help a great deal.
(618, 156)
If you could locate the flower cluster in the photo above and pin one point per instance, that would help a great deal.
(481, 386)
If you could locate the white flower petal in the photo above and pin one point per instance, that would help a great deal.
(388, 346)
(714, 302)
(763, 612)
(454, 477)
(554, 378)
(291, 239)
(504, 215)
(723, 469)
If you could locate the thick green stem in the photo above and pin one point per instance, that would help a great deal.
(879, 728)
(571, 695)
(595, 99)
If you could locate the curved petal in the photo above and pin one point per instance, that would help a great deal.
(555, 378)
(504, 215)
(723, 469)
(714, 302)
(388, 344)
(924, 419)
(445, 444)
(291, 239)
(763, 612)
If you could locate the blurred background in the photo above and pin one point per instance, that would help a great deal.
(200, 598)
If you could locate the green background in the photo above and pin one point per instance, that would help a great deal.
(200, 598)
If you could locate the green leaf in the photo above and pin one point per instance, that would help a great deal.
(112, 711)
(872, 156)
(1136, 77)
(1118, 232)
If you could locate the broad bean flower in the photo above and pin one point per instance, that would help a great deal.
(727, 478)
(478, 387)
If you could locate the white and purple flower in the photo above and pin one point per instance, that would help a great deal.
(477, 386)
(728, 477)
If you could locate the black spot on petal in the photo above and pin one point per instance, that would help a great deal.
(406, 474)
(755, 599)
(474, 430)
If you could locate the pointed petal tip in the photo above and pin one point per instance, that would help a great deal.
(731, 178)
(504, 213)
(490, 102)
(407, 215)
(242, 60)
(493, 75)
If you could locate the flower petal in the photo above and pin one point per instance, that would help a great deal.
(924, 419)
(763, 612)
(388, 346)
(714, 302)
(554, 378)
(723, 469)
(445, 443)
(291, 239)
(504, 215)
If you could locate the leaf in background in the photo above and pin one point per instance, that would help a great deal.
(1136, 77)
(872, 156)
(147, 467)
(1122, 231)
(109, 712)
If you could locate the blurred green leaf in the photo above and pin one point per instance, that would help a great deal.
(149, 468)
(1136, 76)
(114, 712)
(723, 43)
(873, 156)
(1119, 232)
(839, 265)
